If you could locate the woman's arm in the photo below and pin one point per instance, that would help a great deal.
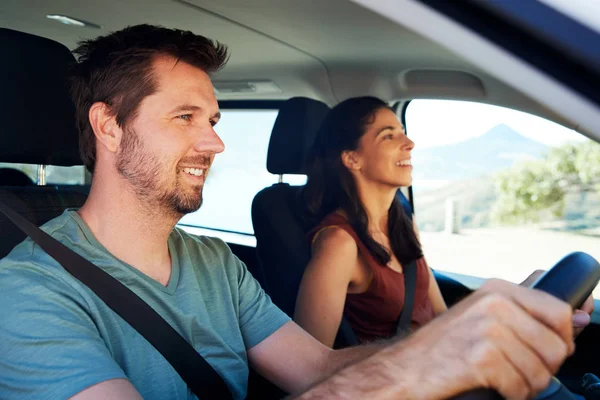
(323, 289)
(435, 295)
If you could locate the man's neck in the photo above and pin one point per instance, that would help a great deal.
(133, 231)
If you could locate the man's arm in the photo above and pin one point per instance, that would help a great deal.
(112, 389)
(505, 337)
(50, 345)
(294, 360)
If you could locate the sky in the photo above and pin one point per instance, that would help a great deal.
(239, 172)
(441, 122)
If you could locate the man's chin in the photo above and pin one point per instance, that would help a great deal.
(183, 205)
(187, 207)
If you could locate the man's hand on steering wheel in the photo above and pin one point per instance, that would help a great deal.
(581, 316)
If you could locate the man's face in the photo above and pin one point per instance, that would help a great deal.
(167, 149)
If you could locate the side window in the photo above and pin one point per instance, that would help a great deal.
(238, 173)
(500, 193)
(65, 175)
(28, 169)
(54, 174)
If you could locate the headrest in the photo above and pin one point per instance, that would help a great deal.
(294, 131)
(14, 177)
(37, 117)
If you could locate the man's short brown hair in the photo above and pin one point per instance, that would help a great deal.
(116, 69)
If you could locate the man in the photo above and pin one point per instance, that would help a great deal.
(146, 111)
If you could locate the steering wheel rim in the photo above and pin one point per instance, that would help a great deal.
(572, 280)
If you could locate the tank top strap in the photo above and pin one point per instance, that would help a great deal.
(337, 220)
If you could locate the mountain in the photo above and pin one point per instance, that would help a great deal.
(496, 149)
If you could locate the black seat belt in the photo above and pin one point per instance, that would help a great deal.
(410, 286)
(197, 373)
(410, 279)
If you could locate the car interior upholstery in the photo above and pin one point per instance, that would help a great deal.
(325, 50)
(39, 127)
(282, 249)
(14, 177)
(306, 56)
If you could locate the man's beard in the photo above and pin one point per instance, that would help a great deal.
(143, 171)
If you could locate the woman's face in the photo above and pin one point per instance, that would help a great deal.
(383, 153)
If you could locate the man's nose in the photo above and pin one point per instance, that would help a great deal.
(209, 142)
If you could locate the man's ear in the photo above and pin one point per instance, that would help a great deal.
(351, 160)
(105, 127)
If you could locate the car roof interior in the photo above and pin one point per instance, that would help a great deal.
(327, 50)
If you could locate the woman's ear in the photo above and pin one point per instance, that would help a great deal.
(105, 127)
(351, 160)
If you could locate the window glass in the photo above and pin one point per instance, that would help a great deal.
(28, 169)
(65, 175)
(500, 193)
(54, 175)
(238, 173)
(586, 12)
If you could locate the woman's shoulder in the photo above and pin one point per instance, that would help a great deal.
(334, 249)
(334, 237)
(336, 218)
(333, 234)
(332, 222)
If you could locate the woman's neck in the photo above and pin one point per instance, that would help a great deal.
(376, 201)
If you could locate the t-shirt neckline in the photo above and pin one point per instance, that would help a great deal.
(171, 286)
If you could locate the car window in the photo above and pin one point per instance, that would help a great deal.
(55, 175)
(236, 176)
(238, 173)
(586, 12)
(498, 192)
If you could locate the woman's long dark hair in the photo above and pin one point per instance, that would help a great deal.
(330, 185)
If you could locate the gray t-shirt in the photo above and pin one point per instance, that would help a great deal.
(58, 338)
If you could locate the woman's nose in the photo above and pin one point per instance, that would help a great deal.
(408, 144)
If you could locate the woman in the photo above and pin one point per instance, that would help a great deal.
(362, 240)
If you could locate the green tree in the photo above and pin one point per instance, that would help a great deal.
(532, 190)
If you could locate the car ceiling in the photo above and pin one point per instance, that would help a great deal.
(324, 49)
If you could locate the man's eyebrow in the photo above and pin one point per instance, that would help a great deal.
(185, 107)
(191, 107)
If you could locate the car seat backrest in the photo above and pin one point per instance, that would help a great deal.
(281, 234)
(14, 177)
(282, 245)
(38, 127)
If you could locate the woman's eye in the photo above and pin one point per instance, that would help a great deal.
(213, 122)
(388, 136)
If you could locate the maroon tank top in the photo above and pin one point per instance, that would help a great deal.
(374, 313)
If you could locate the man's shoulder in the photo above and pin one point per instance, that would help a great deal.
(29, 251)
(206, 245)
(27, 265)
(32, 273)
(208, 256)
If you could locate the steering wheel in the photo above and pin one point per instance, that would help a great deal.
(572, 280)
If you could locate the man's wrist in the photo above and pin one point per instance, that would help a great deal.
(384, 374)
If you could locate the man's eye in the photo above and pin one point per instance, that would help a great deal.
(388, 136)
(213, 122)
(185, 117)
